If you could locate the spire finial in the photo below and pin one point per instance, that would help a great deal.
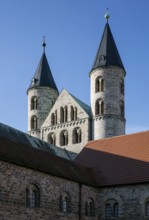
(107, 16)
(44, 44)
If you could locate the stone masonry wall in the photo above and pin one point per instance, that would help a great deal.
(108, 126)
(13, 182)
(131, 201)
(86, 194)
(83, 122)
(111, 122)
(46, 98)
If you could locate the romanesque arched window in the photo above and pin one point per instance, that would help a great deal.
(63, 138)
(122, 86)
(90, 207)
(73, 113)
(34, 103)
(63, 114)
(108, 210)
(111, 208)
(122, 108)
(147, 208)
(99, 107)
(32, 196)
(99, 84)
(52, 138)
(77, 135)
(34, 122)
(65, 202)
(115, 209)
(54, 118)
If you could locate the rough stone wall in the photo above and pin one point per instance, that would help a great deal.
(131, 201)
(90, 192)
(83, 122)
(108, 126)
(110, 123)
(15, 179)
(46, 98)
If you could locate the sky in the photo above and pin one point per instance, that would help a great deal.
(73, 30)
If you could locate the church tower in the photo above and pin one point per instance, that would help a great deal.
(107, 89)
(42, 94)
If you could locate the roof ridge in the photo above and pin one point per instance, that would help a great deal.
(119, 136)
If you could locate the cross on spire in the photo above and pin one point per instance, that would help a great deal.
(44, 44)
(107, 16)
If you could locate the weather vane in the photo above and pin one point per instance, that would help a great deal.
(107, 16)
(44, 44)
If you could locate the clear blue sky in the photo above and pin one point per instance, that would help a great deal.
(73, 29)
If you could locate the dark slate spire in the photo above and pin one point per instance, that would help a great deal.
(43, 75)
(107, 54)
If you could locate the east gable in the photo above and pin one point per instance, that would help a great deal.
(66, 108)
(68, 124)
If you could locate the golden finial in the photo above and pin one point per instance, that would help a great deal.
(44, 44)
(107, 16)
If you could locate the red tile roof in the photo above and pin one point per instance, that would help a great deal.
(120, 160)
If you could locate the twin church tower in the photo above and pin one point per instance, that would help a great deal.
(65, 121)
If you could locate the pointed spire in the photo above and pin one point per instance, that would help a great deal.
(107, 54)
(43, 75)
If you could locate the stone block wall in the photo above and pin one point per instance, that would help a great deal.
(110, 122)
(13, 183)
(108, 126)
(83, 122)
(131, 201)
(46, 97)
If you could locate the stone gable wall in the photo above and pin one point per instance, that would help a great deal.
(63, 100)
(83, 122)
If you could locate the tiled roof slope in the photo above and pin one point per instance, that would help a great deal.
(121, 160)
(22, 138)
(43, 75)
(107, 54)
(46, 162)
